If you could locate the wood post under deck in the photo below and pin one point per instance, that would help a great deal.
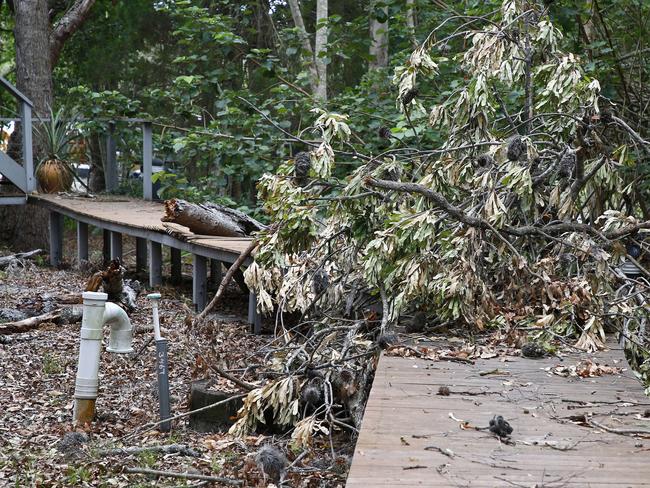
(155, 264)
(116, 246)
(216, 272)
(140, 254)
(141, 219)
(254, 318)
(56, 238)
(106, 247)
(177, 270)
(199, 282)
(82, 242)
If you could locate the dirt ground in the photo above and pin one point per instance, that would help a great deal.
(37, 376)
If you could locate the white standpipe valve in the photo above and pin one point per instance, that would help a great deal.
(96, 313)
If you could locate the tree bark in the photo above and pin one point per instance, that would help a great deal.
(33, 64)
(28, 324)
(410, 21)
(378, 37)
(306, 43)
(18, 258)
(316, 64)
(320, 49)
(210, 219)
(68, 25)
(36, 53)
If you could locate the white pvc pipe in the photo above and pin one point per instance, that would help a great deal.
(96, 313)
(121, 338)
(155, 298)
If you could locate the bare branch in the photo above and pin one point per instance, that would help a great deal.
(67, 26)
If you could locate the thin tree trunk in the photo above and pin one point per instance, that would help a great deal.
(306, 44)
(96, 180)
(410, 21)
(378, 37)
(320, 49)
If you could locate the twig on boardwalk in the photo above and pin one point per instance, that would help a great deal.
(593, 423)
(187, 476)
(442, 450)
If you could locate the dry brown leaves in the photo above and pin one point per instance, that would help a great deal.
(37, 383)
(585, 369)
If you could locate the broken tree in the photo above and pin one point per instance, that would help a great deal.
(210, 219)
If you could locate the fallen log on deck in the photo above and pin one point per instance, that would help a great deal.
(210, 219)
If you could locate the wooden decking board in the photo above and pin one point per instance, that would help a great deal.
(135, 214)
(404, 402)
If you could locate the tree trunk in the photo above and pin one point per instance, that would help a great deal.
(410, 21)
(33, 66)
(26, 226)
(320, 49)
(210, 219)
(378, 37)
(96, 180)
(306, 44)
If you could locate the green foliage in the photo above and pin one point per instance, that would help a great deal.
(77, 475)
(57, 135)
(52, 364)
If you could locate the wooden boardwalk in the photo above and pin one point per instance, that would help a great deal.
(408, 427)
(119, 216)
(137, 217)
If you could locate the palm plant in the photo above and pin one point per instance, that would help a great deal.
(54, 172)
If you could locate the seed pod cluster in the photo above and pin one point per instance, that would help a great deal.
(384, 132)
(312, 394)
(409, 96)
(302, 164)
(320, 281)
(271, 461)
(516, 149)
(567, 164)
(484, 160)
(417, 324)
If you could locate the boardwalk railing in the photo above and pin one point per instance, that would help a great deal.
(23, 175)
(20, 175)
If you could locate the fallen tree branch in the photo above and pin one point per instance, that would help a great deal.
(7, 260)
(228, 376)
(210, 219)
(527, 230)
(25, 325)
(169, 449)
(186, 476)
(153, 425)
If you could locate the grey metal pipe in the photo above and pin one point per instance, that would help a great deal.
(161, 366)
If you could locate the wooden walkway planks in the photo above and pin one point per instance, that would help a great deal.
(133, 214)
(405, 414)
(141, 219)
